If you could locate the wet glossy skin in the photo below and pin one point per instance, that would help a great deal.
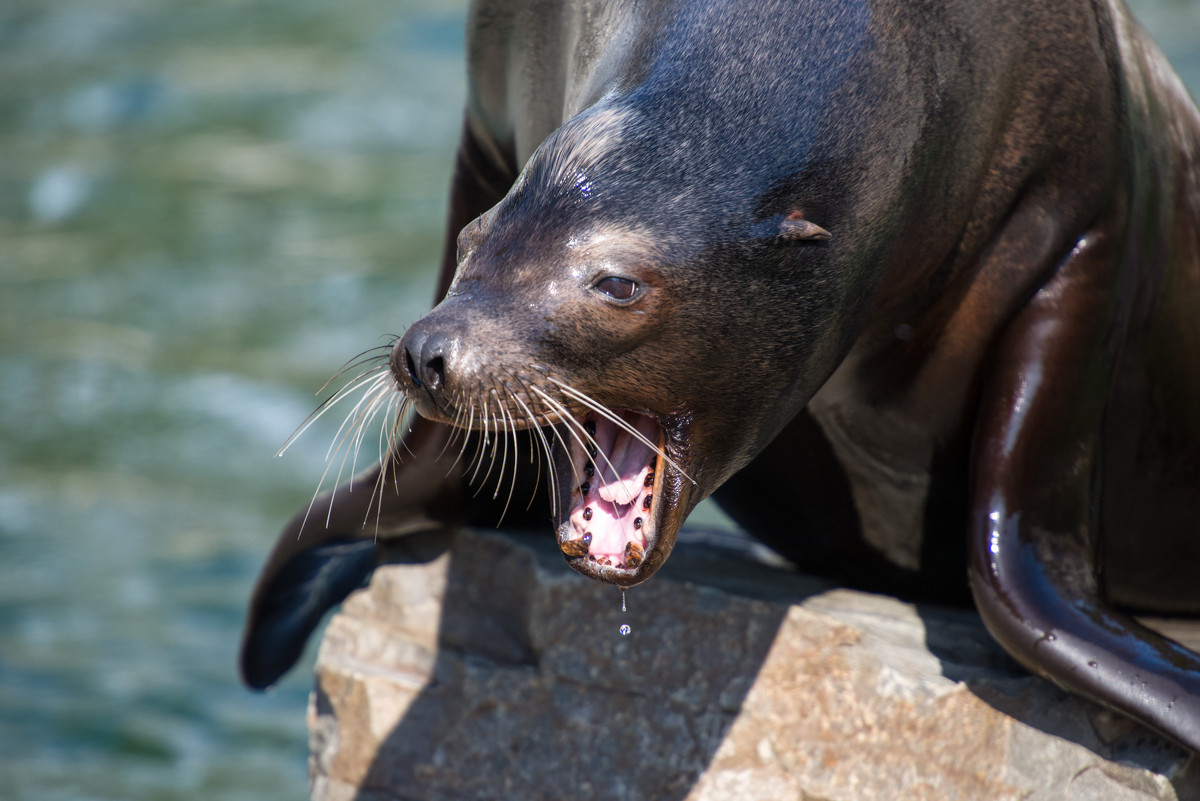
(986, 368)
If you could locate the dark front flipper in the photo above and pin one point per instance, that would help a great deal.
(1034, 521)
(328, 549)
(291, 606)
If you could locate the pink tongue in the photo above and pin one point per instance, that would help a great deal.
(620, 476)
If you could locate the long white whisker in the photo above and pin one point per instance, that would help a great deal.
(368, 385)
(533, 423)
(353, 441)
(401, 417)
(396, 406)
(501, 433)
(382, 399)
(455, 428)
(566, 448)
(572, 424)
(466, 439)
(321, 481)
(510, 431)
(355, 417)
(483, 443)
(495, 449)
(616, 420)
(358, 361)
(360, 381)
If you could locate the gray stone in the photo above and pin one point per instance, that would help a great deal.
(494, 671)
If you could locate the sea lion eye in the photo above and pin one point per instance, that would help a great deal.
(617, 288)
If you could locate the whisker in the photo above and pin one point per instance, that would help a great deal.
(354, 416)
(561, 441)
(501, 424)
(482, 447)
(511, 429)
(455, 428)
(616, 420)
(495, 443)
(397, 406)
(466, 439)
(329, 461)
(352, 441)
(361, 380)
(357, 361)
(533, 423)
(572, 425)
(381, 400)
(371, 388)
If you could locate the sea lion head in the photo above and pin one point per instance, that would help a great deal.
(652, 321)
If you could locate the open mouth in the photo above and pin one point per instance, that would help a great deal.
(609, 526)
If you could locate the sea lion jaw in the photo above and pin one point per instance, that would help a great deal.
(623, 506)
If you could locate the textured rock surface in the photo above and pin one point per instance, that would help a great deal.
(737, 681)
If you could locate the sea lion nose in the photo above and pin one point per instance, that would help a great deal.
(421, 356)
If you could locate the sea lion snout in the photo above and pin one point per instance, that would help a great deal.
(458, 358)
(420, 355)
(426, 363)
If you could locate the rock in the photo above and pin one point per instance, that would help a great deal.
(494, 671)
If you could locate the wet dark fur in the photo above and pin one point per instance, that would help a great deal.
(990, 362)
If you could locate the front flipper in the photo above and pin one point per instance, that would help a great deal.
(1034, 522)
(328, 549)
(290, 606)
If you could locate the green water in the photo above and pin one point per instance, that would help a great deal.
(205, 208)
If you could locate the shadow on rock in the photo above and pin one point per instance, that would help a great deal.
(494, 671)
(534, 693)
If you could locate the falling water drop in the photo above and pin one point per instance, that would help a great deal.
(624, 626)
(624, 629)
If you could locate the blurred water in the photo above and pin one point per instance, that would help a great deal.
(204, 210)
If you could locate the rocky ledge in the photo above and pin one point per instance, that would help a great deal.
(478, 666)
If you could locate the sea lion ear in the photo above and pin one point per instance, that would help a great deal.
(795, 228)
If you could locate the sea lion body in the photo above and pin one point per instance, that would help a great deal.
(907, 288)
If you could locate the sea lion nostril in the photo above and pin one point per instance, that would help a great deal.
(412, 369)
(432, 361)
(435, 372)
(420, 358)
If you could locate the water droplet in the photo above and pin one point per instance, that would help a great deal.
(622, 600)
(624, 629)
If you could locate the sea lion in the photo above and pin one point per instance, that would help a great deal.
(913, 290)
